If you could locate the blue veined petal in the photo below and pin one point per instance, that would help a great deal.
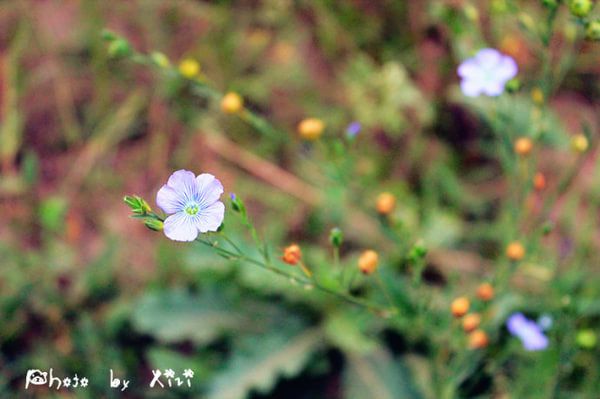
(169, 200)
(184, 183)
(181, 227)
(211, 217)
(209, 189)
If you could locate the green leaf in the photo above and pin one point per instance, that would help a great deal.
(162, 358)
(262, 361)
(347, 331)
(378, 375)
(176, 315)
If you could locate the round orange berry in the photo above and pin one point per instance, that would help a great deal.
(232, 103)
(367, 262)
(539, 181)
(478, 339)
(385, 203)
(292, 254)
(515, 251)
(523, 146)
(460, 306)
(485, 292)
(471, 322)
(311, 128)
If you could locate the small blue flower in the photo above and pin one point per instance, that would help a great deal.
(353, 129)
(527, 331)
(192, 203)
(545, 322)
(232, 196)
(486, 73)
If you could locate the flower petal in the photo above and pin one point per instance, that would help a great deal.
(209, 189)
(535, 342)
(493, 88)
(181, 227)
(470, 69)
(471, 87)
(211, 217)
(169, 200)
(184, 183)
(488, 57)
(506, 69)
(515, 323)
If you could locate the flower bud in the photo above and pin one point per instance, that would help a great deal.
(237, 204)
(108, 35)
(499, 6)
(523, 146)
(460, 306)
(336, 237)
(580, 8)
(160, 59)
(471, 12)
(526, 21)
(154, 224)
(386, 202)
(537, 96)
(478, 339)
(513, 85)
(539, 181)
(471, 322)
(485, 292)
(353, 129)
(311, 128)
(232, 103)
(579, 143)
(550, 3)
(515, 251)
(586, 338)
(367, 262)
(418, 251)
(119, 48)
(189, 68)
(138, 205)
(592, 30)
(292, 254)
(547, 227)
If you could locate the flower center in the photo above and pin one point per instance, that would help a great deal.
(192, 209)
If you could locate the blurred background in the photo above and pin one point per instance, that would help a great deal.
(85, 289)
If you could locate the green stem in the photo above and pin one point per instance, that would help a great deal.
(348, 298)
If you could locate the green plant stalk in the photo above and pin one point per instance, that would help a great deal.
(293, 277)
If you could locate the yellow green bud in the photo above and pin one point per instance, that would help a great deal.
(336, 237)
(160, 59)
(119, 48)
(580, 8)
(592, 30)
(586, 338)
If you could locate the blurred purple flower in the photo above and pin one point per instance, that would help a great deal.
(545, 322)
(486, 73)
(193, 203)
(530, 334)
(232, 196)
(353, 129)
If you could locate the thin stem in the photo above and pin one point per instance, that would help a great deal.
(385, 291)
(348, 298)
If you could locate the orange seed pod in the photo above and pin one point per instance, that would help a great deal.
(460, 306)
(367, 262)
